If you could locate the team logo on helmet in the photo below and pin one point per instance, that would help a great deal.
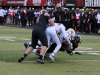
(71, 32)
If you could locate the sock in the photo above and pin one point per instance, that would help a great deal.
(24, 55)
(40, 57)
(73, 51)
(53, 54)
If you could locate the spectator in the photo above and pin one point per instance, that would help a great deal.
(22, 17)
(59, 15)
(33, 15)
(30, 16)
(18, 15)
(5, 15)
(98, 20)
(11, 11)
(25, 11)
(86, 22)
(1, 15)
(73, 23)
(92, 21)
(72, 13)
(78, 20)
(95, 22)
(36, 15)
(81, 21)
(15, 16)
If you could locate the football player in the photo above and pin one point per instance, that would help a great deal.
(53, 33)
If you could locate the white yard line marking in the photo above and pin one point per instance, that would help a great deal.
(88, 51)
(11, 43)
(90, 43)
(94, 53)
(30, 39)
(83, 48)
(8, 38)
(51, 61)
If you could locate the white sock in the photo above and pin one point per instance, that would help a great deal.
(73, 51)
(53, 54)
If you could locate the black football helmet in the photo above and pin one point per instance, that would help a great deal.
(77, 39)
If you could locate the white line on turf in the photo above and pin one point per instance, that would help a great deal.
(51, 61)
(82, 43)
(94, 53)
(88, 51)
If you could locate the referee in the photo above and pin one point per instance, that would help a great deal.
(1, 15)
(39, 33)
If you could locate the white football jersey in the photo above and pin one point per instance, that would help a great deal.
(68, 36)
(59, 27)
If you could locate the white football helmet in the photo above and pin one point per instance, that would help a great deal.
(71, 32)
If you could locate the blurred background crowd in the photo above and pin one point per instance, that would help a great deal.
(82, 20)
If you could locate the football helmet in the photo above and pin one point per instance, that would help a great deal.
(43, 12)
(77, 39)
(71, 32)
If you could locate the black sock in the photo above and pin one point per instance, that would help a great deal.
(40, 57)
(24, 55)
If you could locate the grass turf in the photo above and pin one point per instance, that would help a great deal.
(11, 51)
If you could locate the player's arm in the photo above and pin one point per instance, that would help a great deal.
(64, 35)
(47, 16)
(68, 50)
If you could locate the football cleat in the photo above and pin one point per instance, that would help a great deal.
(52, 58)
(40, 61)
(21, 59)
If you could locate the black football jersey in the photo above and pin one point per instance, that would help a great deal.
(42, 20)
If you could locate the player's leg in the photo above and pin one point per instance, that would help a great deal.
(42, 37)
(47, 32)
(30, 49)
(56, 38)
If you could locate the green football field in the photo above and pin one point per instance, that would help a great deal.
(11, 49)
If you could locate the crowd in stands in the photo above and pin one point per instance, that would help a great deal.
(85, 20)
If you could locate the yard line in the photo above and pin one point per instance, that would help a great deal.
(11, 43)
(81, 43)
(51, 61)
(15, 34)
(88, 51)
(90, 43)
